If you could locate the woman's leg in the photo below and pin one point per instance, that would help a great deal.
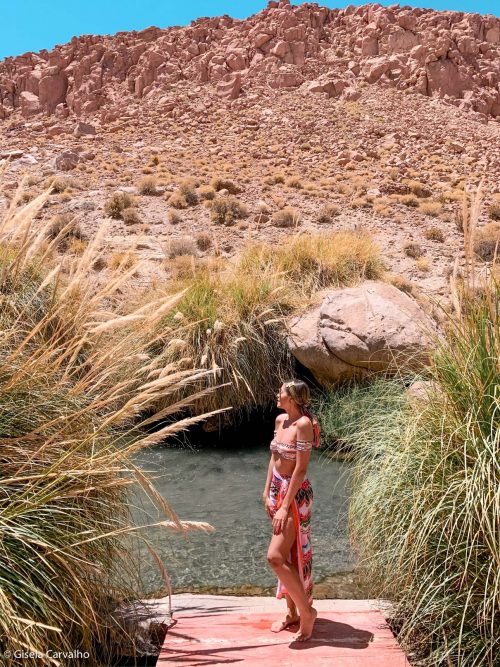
(277, 554)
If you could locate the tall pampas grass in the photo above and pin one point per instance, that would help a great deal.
(234, 321)
(77, 378)
(425, 511)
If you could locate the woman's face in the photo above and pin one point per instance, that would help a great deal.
(283, 398)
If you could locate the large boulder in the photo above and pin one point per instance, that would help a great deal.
(357, 331)
(30, 104)
(229, 86)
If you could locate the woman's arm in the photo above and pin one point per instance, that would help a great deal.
(304, 432)
(269, 477)
(272, 461)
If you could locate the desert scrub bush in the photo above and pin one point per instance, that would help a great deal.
(417, 188)
(147, 186)
(222, 183)
(434, 234)
(413, 249)
(181, 267)
(274, 179)
(487, 240)
(494, 211)
(287, 217)
(117, 203)
(226, 210)
(402, 283)
(422, 264)
(187, 188)
(174, 217)
(206, 192)
(327, 213)
(71, 423)
(431, 208)
(58, 184)
(122, 260)
(180, 246)
(130, 216)
(62, 229)
(177, 200)
(409, 200)
(77, 246)
(204, 241)
(294, 182)
(185, 195)
(361, 202)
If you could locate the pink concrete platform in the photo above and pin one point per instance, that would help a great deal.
(347, 633)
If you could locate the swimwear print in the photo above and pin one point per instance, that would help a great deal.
(301, 512)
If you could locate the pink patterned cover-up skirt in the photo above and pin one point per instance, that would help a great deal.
(301, 552)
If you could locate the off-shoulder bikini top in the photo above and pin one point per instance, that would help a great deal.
(288, 450)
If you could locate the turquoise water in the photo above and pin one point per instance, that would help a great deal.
(224, 488)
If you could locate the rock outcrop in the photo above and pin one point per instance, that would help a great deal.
(357, 331)
(450, 55)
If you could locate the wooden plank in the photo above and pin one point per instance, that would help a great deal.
(341, 638)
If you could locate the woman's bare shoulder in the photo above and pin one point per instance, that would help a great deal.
(280, 418)
(304, 426)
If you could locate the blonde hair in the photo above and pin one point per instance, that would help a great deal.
(299, 391)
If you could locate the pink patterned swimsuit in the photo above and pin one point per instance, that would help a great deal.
(301, 552)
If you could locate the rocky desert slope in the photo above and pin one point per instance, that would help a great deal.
(299, 118)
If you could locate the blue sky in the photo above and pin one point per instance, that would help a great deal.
(31, 25)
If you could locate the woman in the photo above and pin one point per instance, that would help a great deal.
(288, 497)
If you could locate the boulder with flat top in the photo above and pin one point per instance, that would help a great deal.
(362, 330)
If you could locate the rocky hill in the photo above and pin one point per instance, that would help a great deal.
(299, 118)
(314, 49)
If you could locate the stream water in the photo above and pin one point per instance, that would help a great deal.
(224, 488)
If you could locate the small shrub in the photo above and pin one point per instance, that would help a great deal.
(122, 260)
(409, 200)
(402, 283)
(432, 208)
(274, 179)
(413, 250)
(487, 239)
(174, 217)
(147, 186)
(422, 264)
(294, 182)
(58, 184)
(204, 240)
(434, 234)
(226, 210)
(417, 188)
(287, 217)
(117, 203)
(361, 202)
(177, 200)
(206, 192)
(77, 246)
(220, 183)
(131, 216)
(187, 189)
(181, 246)
(181, 266)
(494, 211)
(56, 226)
(328, 212)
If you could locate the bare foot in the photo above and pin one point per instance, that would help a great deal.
(306, 626)
(290, 619)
